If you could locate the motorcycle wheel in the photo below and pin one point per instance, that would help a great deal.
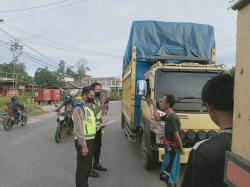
(70, 126)
(59, 134)
(24, 120)
(7, 124)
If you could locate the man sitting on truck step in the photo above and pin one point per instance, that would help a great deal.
(171, 165)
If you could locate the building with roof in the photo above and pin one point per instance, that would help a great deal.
(114, 83)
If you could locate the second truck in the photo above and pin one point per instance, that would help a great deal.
(169, 58)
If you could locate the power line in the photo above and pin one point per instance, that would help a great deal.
(58, 7)
(53, 61)
(37, 60)
(30, 56)
(34, 7)
(69, 47)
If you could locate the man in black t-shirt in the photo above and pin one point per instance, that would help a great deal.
(172, 125)
(171, 165)
(206, 162)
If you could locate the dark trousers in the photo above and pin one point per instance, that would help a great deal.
(98, 145)
(84, 164)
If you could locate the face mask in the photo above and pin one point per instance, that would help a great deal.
(90, 100)
(98, 94)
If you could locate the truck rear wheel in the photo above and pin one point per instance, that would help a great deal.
(122, 121)
(148, 160)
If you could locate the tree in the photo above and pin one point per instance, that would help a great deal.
(61, 69)
(82, 69)
(45, 77)
(20, 69)
(70, 72)
(232, 71)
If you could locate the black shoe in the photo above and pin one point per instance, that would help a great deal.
(93, 173)
(99, 167)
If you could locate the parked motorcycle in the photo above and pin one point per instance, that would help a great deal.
(10, 118)
(65, 126)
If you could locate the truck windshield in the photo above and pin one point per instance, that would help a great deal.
(184, 85)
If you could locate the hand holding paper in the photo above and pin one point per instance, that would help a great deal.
(103, 125)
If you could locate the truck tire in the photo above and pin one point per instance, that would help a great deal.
(122, 121)
(148, 162)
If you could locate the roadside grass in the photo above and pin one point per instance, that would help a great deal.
(3, 103)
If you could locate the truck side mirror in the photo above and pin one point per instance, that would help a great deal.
(141, 88)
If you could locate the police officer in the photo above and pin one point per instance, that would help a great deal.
(85, 130)
(98, 138)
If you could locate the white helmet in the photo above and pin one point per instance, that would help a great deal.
(72, 93)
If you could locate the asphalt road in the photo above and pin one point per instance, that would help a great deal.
(29, 157)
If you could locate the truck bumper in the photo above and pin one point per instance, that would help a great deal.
(184, 158)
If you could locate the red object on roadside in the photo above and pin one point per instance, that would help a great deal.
(43, 95)
(55, 94)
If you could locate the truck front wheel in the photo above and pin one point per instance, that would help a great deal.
(148, 159)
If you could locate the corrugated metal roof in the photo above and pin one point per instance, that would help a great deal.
(240, 4)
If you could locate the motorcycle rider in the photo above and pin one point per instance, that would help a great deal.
(68, 104)
(105, 105)
(15, 106)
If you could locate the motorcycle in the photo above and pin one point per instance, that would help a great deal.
(106, 108)
(11, 118)
(65, 125)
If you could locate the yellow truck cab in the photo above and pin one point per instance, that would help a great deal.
(167, 58)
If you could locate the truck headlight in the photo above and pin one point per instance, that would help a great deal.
(201, 135)
(191, 135)
(211, 133)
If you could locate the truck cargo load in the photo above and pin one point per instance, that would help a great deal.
(156, 38)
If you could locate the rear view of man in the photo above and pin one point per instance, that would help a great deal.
(206, 162)
(85, 130)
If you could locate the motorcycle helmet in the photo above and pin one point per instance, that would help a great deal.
(14, 98)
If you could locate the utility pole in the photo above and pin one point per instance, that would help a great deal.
(16, 49)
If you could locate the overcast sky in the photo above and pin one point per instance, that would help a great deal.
(103, 26)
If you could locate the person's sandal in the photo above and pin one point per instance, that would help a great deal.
(99, 167)
(93, 173)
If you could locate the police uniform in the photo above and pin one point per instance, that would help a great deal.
(84, 163)
(98, 137)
